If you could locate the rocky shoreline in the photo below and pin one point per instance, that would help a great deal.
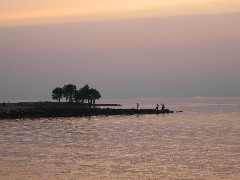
(52, 110)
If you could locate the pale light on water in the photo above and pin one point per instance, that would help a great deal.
(201, 143)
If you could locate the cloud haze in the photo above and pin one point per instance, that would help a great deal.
(153, 57)
(15, 12)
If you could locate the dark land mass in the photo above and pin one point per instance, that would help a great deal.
(52, 109)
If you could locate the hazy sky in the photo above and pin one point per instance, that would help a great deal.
(127, 48)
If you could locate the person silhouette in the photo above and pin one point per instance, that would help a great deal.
(137, 105)
(157, 107)
(163, 107)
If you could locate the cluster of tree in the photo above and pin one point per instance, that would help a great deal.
(71, 94)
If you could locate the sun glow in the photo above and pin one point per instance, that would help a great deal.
(29, 12)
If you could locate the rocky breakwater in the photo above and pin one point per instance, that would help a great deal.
(50, 110)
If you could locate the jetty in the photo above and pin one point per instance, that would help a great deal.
(52, 109)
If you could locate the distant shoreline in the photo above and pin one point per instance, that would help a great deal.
(25, 110)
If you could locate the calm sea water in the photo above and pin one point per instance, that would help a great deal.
(203, 142)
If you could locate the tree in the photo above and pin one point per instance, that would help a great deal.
(76, 96)
(83, 93)
(57, 94)
(69, 92)
(94, 94)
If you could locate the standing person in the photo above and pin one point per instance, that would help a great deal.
(137, 105)
(163, 107)
(157, 107)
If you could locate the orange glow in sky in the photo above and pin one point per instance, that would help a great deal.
(14, 12)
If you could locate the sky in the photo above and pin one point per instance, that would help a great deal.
(125, 49)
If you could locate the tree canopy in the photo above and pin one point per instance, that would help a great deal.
(57, 94)
(93, 94)
(71, 94)
(69, 91)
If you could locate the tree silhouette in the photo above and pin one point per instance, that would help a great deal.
(93, 94)
(76, 96)
(57, 94)
(83, 93)
(69, 92)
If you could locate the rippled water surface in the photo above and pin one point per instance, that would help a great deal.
(201, 143)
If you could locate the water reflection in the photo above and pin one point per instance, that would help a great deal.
(141, 147)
